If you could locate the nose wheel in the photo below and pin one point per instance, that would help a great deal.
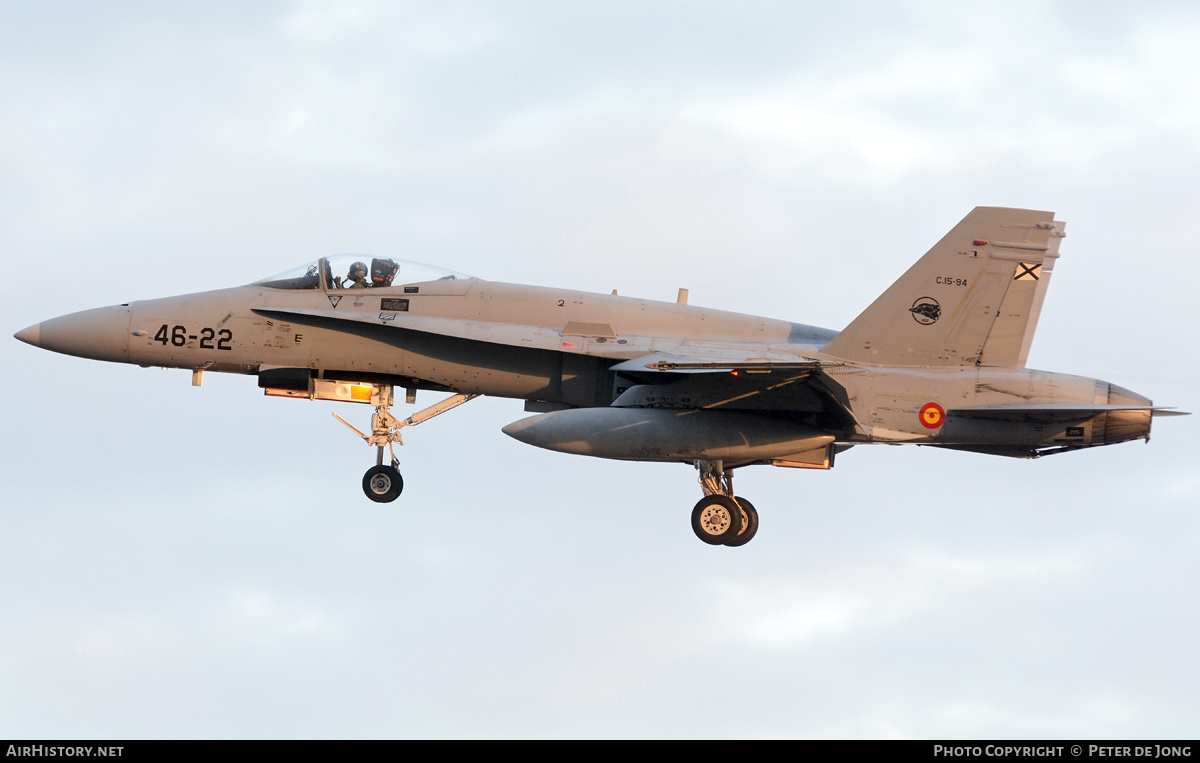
(383, 484)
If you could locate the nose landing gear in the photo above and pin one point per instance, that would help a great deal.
(721, 518)
(383, 484)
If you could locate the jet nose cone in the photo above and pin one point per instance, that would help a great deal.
(100, 334)
(31, 335)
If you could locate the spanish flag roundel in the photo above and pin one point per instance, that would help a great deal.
(932, 415)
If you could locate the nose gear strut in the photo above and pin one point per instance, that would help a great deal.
(381, 483)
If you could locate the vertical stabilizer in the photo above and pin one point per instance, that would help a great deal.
(973, 299)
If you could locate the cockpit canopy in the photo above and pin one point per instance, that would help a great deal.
(357, 271)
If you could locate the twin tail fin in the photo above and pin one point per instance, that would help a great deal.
(973, 299)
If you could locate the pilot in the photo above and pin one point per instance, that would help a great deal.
(357, 277)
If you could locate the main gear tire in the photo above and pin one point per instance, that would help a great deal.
(749, 523)
(716, 519)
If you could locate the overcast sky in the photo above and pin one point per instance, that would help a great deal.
(181, 562)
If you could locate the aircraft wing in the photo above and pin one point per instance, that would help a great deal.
(721, 358)
(734, 382)
(665, 373)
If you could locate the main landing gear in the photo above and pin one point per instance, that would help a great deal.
(383, 483)
(722, 518)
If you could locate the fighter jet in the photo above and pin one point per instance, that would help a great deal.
(937, 360)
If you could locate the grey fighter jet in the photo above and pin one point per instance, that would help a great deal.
(938, 359)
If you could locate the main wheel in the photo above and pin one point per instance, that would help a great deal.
(716, 519)
(382, 484)
(749, 523)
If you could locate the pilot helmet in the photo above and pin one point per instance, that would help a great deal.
(358, 270)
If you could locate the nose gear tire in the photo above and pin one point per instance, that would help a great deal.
(382, 484)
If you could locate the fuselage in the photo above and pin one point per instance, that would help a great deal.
(564, 358)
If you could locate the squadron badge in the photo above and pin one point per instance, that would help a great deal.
(926, 311)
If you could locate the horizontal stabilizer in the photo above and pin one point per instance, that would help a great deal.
(1050, 412)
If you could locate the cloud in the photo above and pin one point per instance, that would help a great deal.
(201, 562)
(785, 614)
